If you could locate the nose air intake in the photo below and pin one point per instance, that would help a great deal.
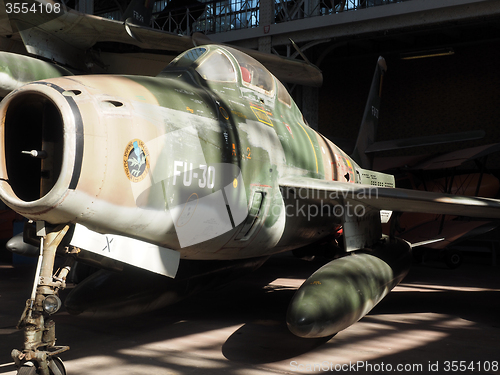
(34, 143)
(41, 149)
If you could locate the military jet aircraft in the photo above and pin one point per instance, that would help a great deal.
(209, 161)
(208, 166)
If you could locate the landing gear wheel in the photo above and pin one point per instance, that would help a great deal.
(27, 369)
(56, 366)
(453, 259)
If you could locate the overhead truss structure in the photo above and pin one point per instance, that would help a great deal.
(217, 16)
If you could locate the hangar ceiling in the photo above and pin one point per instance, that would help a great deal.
(363, 27)
(416, 40)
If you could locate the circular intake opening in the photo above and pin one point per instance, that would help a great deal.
(33, 145)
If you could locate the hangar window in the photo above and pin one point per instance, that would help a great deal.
(217, 67)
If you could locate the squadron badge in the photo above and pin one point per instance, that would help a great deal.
(136, 160)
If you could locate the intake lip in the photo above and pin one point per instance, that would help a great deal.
(39, 116)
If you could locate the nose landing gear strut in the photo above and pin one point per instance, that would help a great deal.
(39, 355)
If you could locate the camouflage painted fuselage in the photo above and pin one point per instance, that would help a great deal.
(181, 160)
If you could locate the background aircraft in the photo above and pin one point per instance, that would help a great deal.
(200, 172)
(461, 172)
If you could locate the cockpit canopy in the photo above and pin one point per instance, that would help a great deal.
(214, 63)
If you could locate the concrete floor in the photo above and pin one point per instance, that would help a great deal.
(434, 317)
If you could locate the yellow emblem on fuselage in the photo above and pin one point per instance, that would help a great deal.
(136, 160)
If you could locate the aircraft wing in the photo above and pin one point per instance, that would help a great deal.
(380, 198)
(432, 162)
(429, 140)
(450, 231)
(457, 158)
(67, 38)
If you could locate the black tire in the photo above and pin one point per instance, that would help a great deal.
(27, 369)
(59, 364)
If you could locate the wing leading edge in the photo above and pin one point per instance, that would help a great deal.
(357, 207)
(393, 199)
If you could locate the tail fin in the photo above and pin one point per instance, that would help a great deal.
(139, 12)
(368, 130)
